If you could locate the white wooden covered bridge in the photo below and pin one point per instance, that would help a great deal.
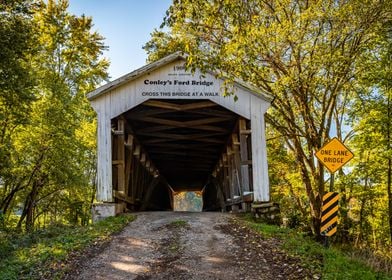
(162, 129)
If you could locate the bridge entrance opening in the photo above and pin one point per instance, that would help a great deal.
(188, 201)
(177, 144)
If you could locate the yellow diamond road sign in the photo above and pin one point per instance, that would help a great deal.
(334, 155)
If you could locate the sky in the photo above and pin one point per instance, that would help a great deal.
(126, 25)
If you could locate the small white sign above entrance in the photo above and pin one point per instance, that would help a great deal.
(176, 82)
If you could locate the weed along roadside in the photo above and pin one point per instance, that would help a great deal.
(330, 263)
(51, 252)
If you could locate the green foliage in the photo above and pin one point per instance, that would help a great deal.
(34, 255)
(17, 78)
(179, 223)
(286, 181)
(333, 263)
(339, 266)
(366, 189)
(161, 45)
(50, 166)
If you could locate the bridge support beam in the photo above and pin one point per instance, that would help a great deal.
(244, 152)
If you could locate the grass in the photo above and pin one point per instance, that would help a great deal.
(174, 246)
(331, 262)
(41, 254)
(179, 224)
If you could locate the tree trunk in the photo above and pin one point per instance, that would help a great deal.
(5, 204)
(29, 206)
(361, 215)
(314, 200)
(364, 200)
(315, 191)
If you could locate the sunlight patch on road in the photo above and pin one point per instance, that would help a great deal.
(138, 243)
(127, 264)
(214, 259)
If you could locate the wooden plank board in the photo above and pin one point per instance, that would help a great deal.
(120, 145)
(259, 153)
(128, 164)
(123, 197)
(219, 192)
(174, 123)
(186, 169)
(201, 155)
(150, 188)
(180, 107)
(244, 156)
(104, 157)
(237, 167)
(204, 147)
(181, 137)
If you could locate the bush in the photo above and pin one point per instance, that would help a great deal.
(32, 255)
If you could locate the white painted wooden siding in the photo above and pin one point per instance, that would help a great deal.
(128, 96)
(261, 190)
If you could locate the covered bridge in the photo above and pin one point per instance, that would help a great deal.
(162, 129)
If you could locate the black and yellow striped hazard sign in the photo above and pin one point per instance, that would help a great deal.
(329, 216)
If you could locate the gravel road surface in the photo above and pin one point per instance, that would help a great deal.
(184, 245)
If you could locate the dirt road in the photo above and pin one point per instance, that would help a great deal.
(179, 245)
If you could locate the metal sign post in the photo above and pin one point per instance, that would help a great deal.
(331, 182)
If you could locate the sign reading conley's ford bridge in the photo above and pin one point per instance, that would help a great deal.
(329, 216)
(334, 155)
(177, 82)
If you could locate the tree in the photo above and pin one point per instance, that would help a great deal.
(372, 119)
(306, 54)
(51, 171)
(17, 80)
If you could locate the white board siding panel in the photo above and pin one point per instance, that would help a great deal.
(127, 96)
(104, 155)
(261, 191)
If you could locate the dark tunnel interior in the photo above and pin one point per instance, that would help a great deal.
(184, 139)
